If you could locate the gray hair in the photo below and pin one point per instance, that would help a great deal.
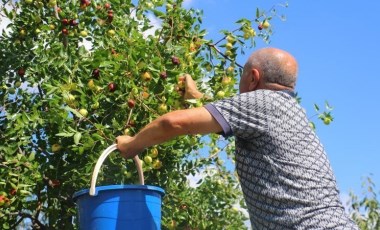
(275, 67)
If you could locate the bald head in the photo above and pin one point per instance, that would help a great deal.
(277, 69)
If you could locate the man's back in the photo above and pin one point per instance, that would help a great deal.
(284, 172)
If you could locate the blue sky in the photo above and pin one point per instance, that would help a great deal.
(337, 45)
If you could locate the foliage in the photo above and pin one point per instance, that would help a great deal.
(365, 211)
(77, 73)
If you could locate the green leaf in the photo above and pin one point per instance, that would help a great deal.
(316, 107)
(64, 134)
(257, 13)
(77, 137)
(158, 13)
(6, 225)
(73, 111)
(32, 156)
(328, 107)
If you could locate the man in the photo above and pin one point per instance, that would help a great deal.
(283, 169)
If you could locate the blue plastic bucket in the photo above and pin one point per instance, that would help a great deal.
(120, 207)
(132, 207)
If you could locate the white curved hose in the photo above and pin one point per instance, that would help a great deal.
(100, 161)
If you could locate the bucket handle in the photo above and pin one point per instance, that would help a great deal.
(100, 161)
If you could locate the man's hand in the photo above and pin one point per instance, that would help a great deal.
(191, 89)
(125, 146)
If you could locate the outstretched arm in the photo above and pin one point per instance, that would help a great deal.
(167, 127)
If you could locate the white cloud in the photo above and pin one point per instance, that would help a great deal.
(155, 22)
(87, 44)
(193, 180)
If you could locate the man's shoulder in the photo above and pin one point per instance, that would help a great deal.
(267, 94)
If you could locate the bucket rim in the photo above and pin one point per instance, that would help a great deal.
(83, 192)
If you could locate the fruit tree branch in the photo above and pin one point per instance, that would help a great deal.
(213, 46)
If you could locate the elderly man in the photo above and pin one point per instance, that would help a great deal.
(283, 169)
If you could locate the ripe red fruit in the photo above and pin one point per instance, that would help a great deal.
(21, 72)
(12, 192)
(110, 17)
(112, 87)
(54, 183)
(260, 27)
(73, 22)
(110, 12)
(131, 103)
(163, 75)
(96, 73)
(107, 5)
(175, 60)
(85, 3)
(65, 22)
(65, 31)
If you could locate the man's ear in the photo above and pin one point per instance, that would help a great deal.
(254, 79)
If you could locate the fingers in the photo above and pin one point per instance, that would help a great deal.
(191, 89)
(189, 82)
(126, 147)
(121, 144)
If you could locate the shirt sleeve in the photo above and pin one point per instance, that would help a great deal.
(244, 115)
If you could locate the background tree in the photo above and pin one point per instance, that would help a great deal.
(77, 73)
(365, 210)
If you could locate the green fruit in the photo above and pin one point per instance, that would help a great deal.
(127, 132)
(40, 5)
(146, 76)
(153, 152)
(230, 69)
(265, 24)
(220, 94)
(128, 174)
(111, 33)
(163, 108)
(91, 84)
(83, 33)
(69, 98)
(56, 147)
(52, 3)
(83, 112)
(11, 90)
(148, 159)
(327, 120)
(226, 81)
(208, 67)
(230, 39)
(22, 33)
(229, 46)
(95, 105)
(157, 164)
(37, 19)
(29, 1)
